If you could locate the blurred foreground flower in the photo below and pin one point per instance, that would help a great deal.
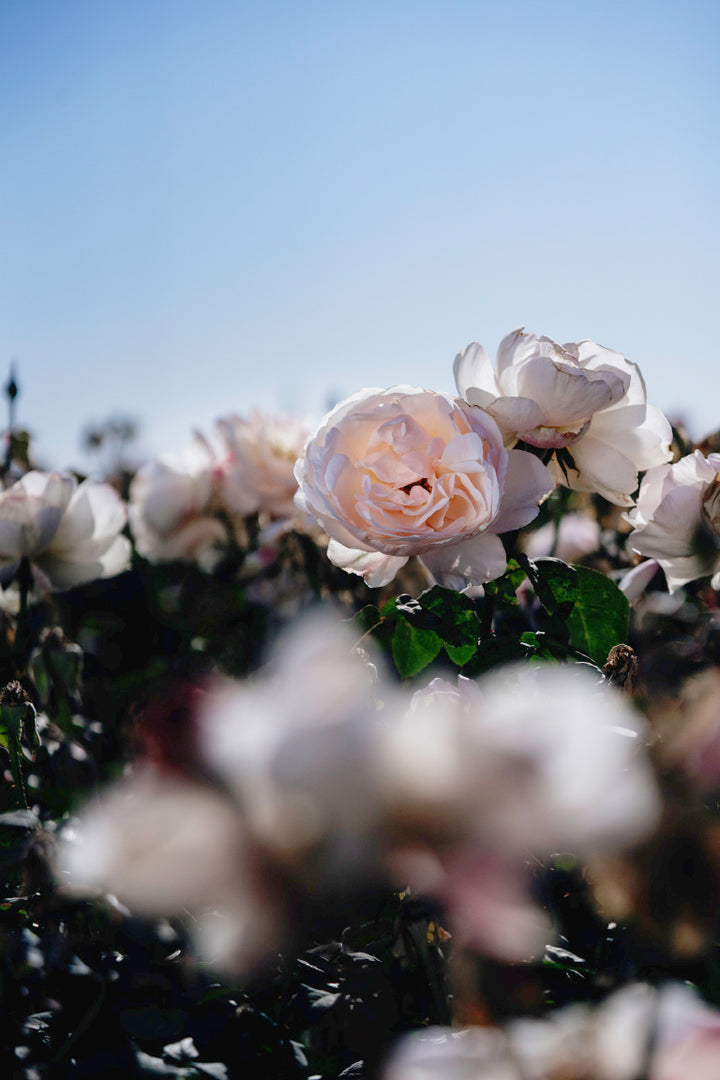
(69, 532)
(329, 782)
(664, 1033)
(576, 536)
(583, 401)
(677, 519)
(401, 472)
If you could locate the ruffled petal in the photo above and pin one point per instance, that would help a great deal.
(376, 568)
(473, 370)
(603, 469)
(527, 482)
(641, 432)
(466, 566)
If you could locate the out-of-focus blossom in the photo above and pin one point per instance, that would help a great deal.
(660, 1034)
(295, 744)
(528, 759)
(174, 504)
(677, 519)
(69, 532)
(401, 472)
(478, 777)
(580, 398)
(260, 461)
(166, 846)
(576, 537)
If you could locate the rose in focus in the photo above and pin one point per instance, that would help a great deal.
(586, 403)
(401, 472)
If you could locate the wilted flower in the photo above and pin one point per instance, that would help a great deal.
(401, 472)
(583, 401)
(174, 503)
(677, 519)
(260, 461)
(69, 532)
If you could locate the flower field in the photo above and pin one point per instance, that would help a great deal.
(386, 747)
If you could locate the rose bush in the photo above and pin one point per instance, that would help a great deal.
(586, 403)
(401, 472)
(677, 519)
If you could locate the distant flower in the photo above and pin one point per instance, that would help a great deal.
(677, 519)
(69, 532)
(401, 472)
(260, 460)
(577, 536)
(586, 403)
(174, 504)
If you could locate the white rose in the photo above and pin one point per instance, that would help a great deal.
(69, 532)
(174, 503)
(580, 398)
(401, 472)
(677, 519)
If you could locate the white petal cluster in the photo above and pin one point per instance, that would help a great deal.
(188, 506)
(664, 1033)
(69, 532)
(174, 503)
(401, 472)
(328, 778)
(677, 519)
(582, 399)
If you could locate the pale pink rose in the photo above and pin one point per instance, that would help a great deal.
(260, 460)
(174, 504)
(677, 519)
(581, 398)
(401, 472)
(69, 532)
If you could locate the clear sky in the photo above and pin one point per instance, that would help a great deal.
(207, 205)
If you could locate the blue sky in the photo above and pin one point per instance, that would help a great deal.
(211, 205)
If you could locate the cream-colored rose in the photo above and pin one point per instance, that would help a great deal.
(677, 519)
(401, 472)
(260, 460)
(583, 401)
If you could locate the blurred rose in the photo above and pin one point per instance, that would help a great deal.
(174, 504)
(69, 532)
(677, 519)
(661, 1034)
(401, 472)
(582, 398)
(260, 462)
(166, 846)
(576, 537)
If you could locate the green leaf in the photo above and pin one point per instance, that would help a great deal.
(413, 647)
(454, 620)
(504, 588)
(600, 616)
(555, 584)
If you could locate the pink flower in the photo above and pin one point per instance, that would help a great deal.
(401, 472)
(582, 399)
